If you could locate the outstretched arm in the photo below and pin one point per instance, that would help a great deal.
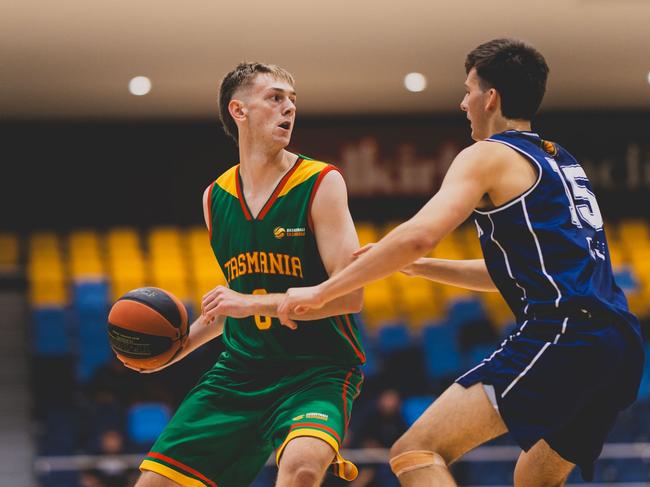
(470, 176)
(469, 274)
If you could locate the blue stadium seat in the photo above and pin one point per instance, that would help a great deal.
(91, 296)
(90, 359)
(441, 354)
(51, 335)
(465, 310)
(413, 407)
(146, 421)
(91, 304)
(476, 354)
(393, 337)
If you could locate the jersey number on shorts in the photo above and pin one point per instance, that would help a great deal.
(262, 322)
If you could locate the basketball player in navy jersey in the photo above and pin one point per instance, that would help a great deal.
(559, 381)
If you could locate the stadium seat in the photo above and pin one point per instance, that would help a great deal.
(464, 310)
(393, 337)
(367, 233)
(145, 421)
(125, 264)
(413, 407)
(442, 357)
(51, 334)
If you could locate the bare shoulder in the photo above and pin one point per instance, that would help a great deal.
(482, 157)
(332, 185)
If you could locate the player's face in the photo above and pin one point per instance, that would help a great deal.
(474, 104)
(271, 110)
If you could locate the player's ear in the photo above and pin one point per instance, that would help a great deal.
(493, 100)
(237, 110)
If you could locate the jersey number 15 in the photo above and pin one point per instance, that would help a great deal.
(582, 202)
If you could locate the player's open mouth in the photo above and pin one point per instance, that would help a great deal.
(285, 125)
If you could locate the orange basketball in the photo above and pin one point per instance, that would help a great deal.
(147, 327)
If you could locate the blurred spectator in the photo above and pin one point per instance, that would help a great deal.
(383, 426)
(380, 429)
(112, 471)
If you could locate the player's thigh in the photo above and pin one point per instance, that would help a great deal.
(541, 467)
(319, 410)
(458, 421)
(308, 454)
(152, 479)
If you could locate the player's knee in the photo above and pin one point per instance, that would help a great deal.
(303, 475)
(411, 460)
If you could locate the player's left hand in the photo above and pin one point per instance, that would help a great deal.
(224, 301)
(298, 301)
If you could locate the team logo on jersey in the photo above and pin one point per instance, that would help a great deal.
(549, 148)
(321, 416)
(279, 232)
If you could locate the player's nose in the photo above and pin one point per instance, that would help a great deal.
(289, 107)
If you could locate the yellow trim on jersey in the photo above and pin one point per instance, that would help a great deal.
(346, 469)
(228, 182)
(171, 474)
(306, 170)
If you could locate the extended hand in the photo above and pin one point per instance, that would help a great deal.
(298, 301)
(224, 301)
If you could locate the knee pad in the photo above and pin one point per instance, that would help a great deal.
(415, 460)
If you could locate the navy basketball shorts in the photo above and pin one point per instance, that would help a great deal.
(564, 381)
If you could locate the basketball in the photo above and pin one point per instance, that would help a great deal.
(147, 327)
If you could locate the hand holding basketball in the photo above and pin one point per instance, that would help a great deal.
(147, 328)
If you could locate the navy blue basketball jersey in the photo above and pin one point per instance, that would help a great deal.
(547, 249)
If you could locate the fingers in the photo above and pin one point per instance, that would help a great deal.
(212, 299)
(289, 323)
(283, 314)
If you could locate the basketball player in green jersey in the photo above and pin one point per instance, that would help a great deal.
(276, 220)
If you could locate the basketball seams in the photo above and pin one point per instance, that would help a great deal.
(157, 303)
(144, 306)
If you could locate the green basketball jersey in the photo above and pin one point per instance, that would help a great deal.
(269, 254)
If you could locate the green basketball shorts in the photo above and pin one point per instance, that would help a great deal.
(230, 423)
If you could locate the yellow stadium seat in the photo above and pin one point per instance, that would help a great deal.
(168, 262)
(631, 232)
(367, 232)
(380, 304)
(44, 294)
(86, 260)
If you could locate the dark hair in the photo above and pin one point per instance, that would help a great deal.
(240, 77)
(516, 70)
